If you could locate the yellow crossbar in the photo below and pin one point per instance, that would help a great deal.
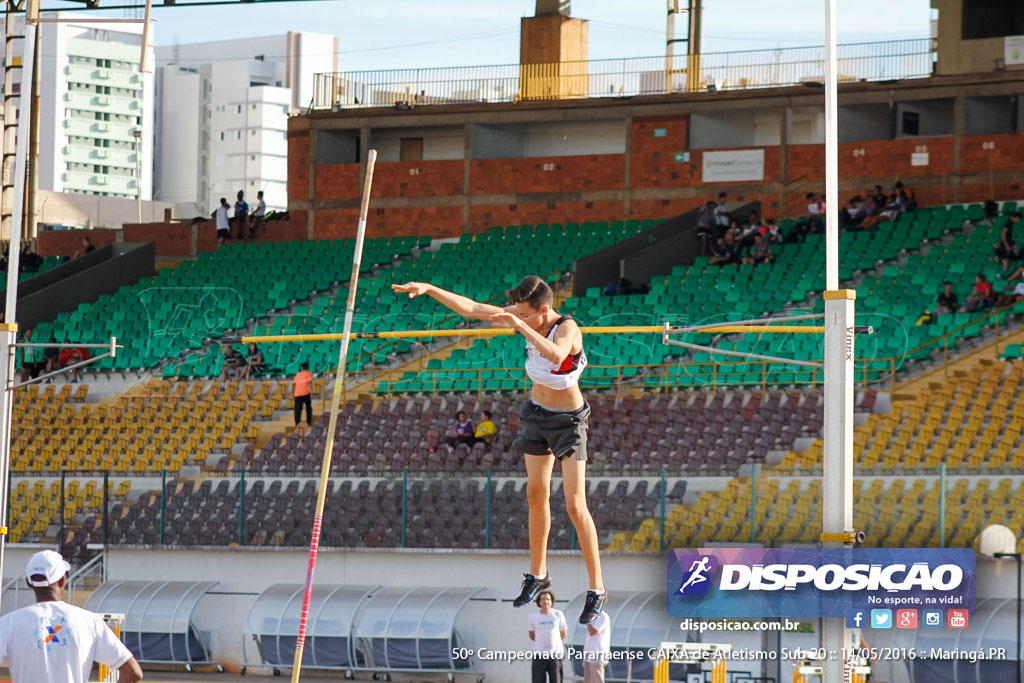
(498, 331)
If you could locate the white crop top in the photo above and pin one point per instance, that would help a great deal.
(554, 375)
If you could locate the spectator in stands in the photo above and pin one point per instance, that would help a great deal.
(990, 212)
(32, 359)
(73, 356)
(258, 219)
(982, 295)
(1006, 247)
(302, 392)
(904, 197)
(723, 254)
(485, 429)
(254, 363)
(462, 432)
(597, 648)
(705, 225)
(774, 233)
(751, 231)
(233, 363)
(721, 215)
(878, 197)
(761, 251)
(733, 234)
(884, 211)
(51, 356)
(51, 640)
(220, 215)
(30, 261)
(948, 301)
(815, 212)
(86, 248)
(1011, 296)
(241, 214)
(858, 211)
(548, 629)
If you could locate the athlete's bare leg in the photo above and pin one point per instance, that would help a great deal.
(538, 494)
(574, 476)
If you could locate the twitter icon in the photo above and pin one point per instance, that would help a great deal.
(881, 618)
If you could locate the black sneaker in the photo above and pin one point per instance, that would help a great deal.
(593, 607)
(531, 586)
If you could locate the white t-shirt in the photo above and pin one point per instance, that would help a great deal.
(814, 209)
(261, 209)
(722, 215)
(222, 219)
(547, 631)
(55, 641)
(598, 647)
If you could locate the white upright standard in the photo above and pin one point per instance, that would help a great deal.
(837, 509)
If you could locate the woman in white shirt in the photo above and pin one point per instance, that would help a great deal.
(547, 631)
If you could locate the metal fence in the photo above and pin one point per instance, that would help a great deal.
(888, 60)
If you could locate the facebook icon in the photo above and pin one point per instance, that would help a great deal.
(854, 618)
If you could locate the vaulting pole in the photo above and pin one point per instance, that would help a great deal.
(339, 384)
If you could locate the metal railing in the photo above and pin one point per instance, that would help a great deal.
(708, 375)
(886, 60)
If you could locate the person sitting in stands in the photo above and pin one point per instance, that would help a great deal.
(723, 254)
(760, 253)
(948, 301)
(233, 363)
(462, 432)
(982, 295)
(485, 429)
(254, 363)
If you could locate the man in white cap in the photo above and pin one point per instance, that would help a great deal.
(54, 641)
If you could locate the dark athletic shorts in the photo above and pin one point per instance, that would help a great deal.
(544, 431)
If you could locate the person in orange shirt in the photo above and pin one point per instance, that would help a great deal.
(302, 383)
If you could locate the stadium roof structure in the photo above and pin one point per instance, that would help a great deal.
(85, 5)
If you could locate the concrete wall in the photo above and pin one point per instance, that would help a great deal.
(958, 56)
(439, 143)
(985, 115)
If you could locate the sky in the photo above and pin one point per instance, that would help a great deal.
(395, 34)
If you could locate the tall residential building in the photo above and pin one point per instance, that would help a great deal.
(222, 110)
(96, 109)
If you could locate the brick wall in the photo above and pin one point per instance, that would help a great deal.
(171, 239)
(416, 179)
(546, 174)
(333, 181)
(991, 152)
(872, 159)
(439, 221)
(67, 242)
(298, 163)
(653, 158)
(482, 218)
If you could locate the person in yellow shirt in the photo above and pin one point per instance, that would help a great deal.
(485, 429)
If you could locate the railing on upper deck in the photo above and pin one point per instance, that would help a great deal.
(881, 61)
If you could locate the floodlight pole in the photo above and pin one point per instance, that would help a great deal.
(837, 489)
(9, 328)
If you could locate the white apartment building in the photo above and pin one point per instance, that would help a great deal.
(222, 110)
(93, 101)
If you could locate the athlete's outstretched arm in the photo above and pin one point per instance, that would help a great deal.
(462, 305)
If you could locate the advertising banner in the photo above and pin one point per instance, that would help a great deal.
(820, 582)
(737, 165)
